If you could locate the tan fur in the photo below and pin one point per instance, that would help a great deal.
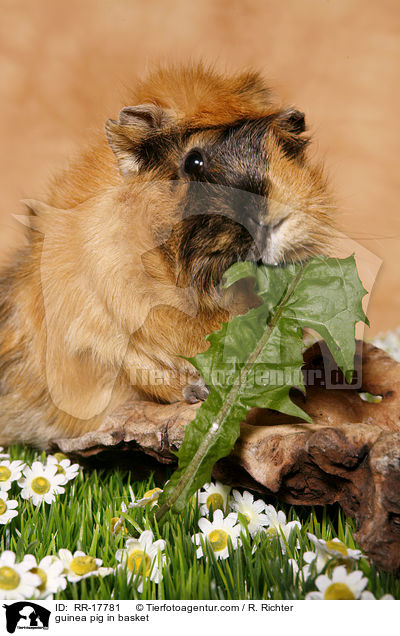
(90, 311)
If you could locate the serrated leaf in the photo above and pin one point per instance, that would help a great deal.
(256, 359)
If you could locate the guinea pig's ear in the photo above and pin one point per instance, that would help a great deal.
(292, 120)
(290, 124)
(134, 124)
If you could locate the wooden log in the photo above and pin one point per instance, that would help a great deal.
(349, 455)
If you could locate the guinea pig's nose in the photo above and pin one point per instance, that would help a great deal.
(257, 231)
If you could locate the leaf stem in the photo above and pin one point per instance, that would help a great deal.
(215, 428)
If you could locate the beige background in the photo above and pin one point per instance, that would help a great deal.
(62, 65)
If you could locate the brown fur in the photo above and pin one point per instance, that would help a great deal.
(108, 294)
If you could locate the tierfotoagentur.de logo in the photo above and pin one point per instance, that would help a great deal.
(26, 615)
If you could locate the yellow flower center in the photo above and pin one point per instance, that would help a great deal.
(338, 592)
(9, 579)
(271, 532)
(150, 493)
(216, 501)
(218, 540)
(139, 561)
(121, 528)
(5, 473)
(338, 546)
(3, 507)
(114, 521)
(81, 565)
(43, 578)
(60, 456)
(60, 470)
(246, 517)
(40, 485)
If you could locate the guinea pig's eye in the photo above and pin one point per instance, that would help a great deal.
(194, 164)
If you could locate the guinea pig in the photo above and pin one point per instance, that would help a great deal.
(120, 280)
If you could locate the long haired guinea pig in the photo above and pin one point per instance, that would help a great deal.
(121, 277)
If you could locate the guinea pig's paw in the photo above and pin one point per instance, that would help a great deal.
(196, 392)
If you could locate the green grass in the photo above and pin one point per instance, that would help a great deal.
(80, 519)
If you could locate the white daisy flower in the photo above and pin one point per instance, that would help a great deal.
(7, 507)
(143, 557)
(63, 465)
(150, 494)
(131, 493)
(41, 483)
(16, 581)
(9, 472)
(293, 565)
(217, 533)
(215, 495)
(79, 565)
(3, 455)
(327, 550)
(149, 497)
(368, 596)
(50, 572)
(118, 523)
(369, 397)
(251, 510)
(278, 527)
(341, 586)
(132, 497)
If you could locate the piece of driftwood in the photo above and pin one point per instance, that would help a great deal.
(350, 454)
